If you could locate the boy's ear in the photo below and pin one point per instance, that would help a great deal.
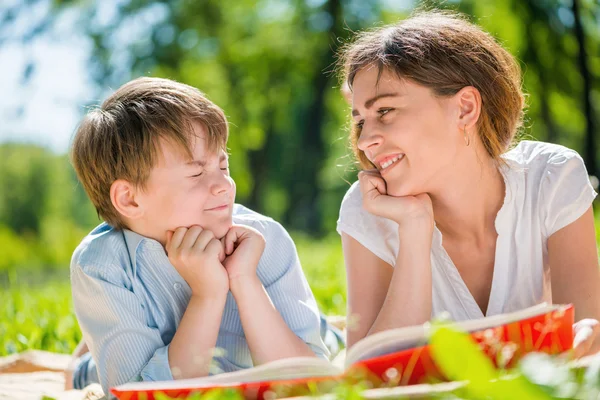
(469, 107)
(122, 196)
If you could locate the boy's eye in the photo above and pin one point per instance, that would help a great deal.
(383, 111)
(359, 124)
(197, 175)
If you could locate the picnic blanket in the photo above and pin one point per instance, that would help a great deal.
(35, 374)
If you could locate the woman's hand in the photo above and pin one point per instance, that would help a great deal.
(586, 337)
(405, 210)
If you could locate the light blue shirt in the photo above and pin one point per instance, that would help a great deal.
(129, 301)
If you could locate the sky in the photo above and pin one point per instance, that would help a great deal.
(46, 108)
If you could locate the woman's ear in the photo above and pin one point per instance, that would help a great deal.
(469, 106)
(122, 196)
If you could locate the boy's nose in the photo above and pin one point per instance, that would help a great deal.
(221, 184)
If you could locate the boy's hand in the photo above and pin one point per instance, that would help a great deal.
(243, 248)
(197, 256)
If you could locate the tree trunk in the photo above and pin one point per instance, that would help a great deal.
(304, 211)
(532, 57)
(590, 139)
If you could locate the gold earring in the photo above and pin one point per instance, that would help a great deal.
(467, 139)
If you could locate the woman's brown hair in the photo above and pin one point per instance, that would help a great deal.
(444, 52)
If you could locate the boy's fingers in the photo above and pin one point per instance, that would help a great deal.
(203, 239)
(169, 237)
(222, 240)
(230, 238)
(191, 236)
(177, 238)
(214, 247)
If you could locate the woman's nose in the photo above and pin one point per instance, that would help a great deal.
(368, 140)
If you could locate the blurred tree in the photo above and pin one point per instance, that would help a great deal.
(582, 61)
(267, 63)
(44, 212)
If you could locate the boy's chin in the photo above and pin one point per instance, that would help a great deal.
(221, 230)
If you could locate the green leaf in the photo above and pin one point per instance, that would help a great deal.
(460, 359)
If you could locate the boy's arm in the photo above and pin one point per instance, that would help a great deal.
(277, 309)
(115, 328)
(191, 349)
(196, 254)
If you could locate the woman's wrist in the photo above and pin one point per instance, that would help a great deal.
(416, 231)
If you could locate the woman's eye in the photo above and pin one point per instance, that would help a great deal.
(225, 168)
(359, 124)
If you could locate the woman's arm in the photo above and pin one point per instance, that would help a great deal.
(573, 259)
(368, 279)
(381, 297)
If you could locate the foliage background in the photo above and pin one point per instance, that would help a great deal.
(270, 65)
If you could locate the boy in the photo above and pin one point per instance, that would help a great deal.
(178, 269)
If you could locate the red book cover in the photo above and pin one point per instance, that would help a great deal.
(400, 356)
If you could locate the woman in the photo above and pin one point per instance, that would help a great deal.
(445, 216)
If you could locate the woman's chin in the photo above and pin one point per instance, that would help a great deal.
(401, 190)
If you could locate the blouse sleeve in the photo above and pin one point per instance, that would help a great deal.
(379, 235)
(565, 191)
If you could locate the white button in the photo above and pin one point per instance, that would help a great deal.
(177, 286)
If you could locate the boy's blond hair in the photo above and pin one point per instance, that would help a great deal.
(119, 140)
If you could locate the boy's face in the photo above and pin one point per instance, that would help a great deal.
(182, 192)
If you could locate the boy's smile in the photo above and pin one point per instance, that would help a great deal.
(181, 192)
(218, 208)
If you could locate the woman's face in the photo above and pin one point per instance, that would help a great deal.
(408, 133)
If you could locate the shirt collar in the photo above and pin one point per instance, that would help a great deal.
(133, 240)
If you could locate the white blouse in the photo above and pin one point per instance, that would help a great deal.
(547, 188)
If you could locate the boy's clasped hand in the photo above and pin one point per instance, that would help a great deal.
(210, 265)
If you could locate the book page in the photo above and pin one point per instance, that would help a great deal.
(291, 368)
(387, 342)
(395, 340)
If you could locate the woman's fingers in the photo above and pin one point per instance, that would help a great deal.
(586, 341)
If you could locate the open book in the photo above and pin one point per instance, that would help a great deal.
(403, 351)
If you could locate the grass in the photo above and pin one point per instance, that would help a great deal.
(37, 317)
(323, 266)
(40, 316)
